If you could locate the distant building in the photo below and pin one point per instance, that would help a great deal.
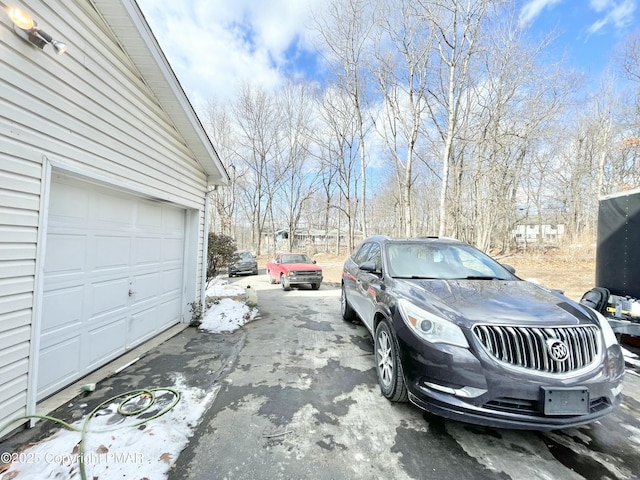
(540, 230)
(305, 239)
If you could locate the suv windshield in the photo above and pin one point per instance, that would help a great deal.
(442, 261)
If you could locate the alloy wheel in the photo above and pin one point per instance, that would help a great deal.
(385, 358)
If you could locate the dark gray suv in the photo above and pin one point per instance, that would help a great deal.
(243, 263)
(459, 335)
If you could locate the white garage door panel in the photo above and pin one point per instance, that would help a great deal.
(58, 365)
(147, 250)
(108, 296)
(105, 342)
(64, 306)
(173, 221)
(111, 252)
(113, 277)
(150, 217)
(145, 324)
(170, 282)
(70, 205)
(113, 211)
(71, 254)
(146, 287)
(166, 311)
(172, 249)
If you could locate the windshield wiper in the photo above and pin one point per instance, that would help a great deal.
(479, 277)
(417, 277)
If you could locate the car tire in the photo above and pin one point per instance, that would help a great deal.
(348, 313)
(271, 279)
(284, 283)
(315, 286)
(388, 366)
(255, 272)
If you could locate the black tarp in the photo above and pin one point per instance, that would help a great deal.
(618, 248)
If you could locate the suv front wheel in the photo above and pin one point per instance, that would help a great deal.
(388, 367)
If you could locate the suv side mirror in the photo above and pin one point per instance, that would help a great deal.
(369, 267)
(509, 268)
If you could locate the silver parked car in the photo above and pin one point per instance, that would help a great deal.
(459, 335)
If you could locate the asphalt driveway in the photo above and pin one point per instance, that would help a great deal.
(296, 397)
(300, 400)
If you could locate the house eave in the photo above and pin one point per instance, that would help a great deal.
(128, 24)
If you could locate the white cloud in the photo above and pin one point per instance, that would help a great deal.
(213, 46)
(600, 5)
(532, 9)
(618, 14)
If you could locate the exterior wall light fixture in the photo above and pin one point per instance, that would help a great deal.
(27, 28)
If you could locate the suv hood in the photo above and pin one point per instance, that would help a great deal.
(496, 301)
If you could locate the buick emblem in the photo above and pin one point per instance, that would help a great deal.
(557, 349)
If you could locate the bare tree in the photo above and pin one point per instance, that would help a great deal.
(516, 101)
(298, 177)
(220, 129)
(457, 25)
(631, 67)
(402, 61)
(259, 125)
(345, 29)
(336, 138)
(630, 61)
(476, 131)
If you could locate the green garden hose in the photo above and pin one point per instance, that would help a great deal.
(149, 394)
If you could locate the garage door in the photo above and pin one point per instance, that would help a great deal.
(113, 277)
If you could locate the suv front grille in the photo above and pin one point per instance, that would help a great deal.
(527, 347)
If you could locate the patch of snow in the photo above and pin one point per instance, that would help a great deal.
(227, 316)
(630, 358)
(114, 446)
(219, 287)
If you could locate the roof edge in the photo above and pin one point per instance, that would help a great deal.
(181, 112)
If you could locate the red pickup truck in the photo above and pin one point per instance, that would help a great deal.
(294, 269)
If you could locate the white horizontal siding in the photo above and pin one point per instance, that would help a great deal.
(15, 330)
(94, 111)
(88, 111)
(19, 205)
(17, 268)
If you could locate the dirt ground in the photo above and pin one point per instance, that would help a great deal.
(570, 269)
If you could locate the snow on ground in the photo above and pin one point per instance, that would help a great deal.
(114, 446)
(226, 314)
(630, 358)
(117, 446)
(219, 287)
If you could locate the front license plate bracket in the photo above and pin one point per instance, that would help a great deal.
(565, 401)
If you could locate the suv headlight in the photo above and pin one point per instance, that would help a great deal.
(607, 332)
(431, 327)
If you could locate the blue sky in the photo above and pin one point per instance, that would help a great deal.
(213, 45)
(588, 30)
